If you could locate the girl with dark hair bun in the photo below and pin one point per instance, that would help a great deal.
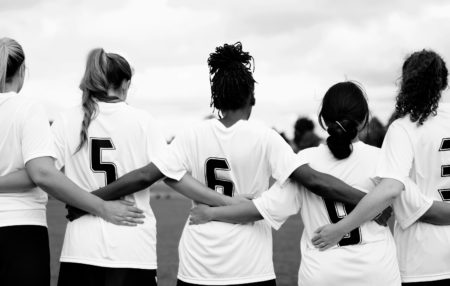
(366, 256)
(234, 157)
(415, 149)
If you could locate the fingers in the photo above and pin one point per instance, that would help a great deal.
(127, 203)
(134, 209)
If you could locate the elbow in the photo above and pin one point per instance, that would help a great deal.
(144, 177)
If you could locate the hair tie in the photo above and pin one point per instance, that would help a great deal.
(340, 125)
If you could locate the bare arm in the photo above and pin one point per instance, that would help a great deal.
(371, 205)
(43, 172)
(437, 214)
(130, 183)
(196, 191)
(239, 213)
(16, 182)
(326, 186)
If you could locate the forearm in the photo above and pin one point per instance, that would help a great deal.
(437, 214)
(130, 183)
(240, 213)
(59, 186)
(326, 186)
(16, 182)
(198, 192)
(372, 204)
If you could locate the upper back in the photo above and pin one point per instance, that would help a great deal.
(120, 139)
(430, 146)
(245, 155)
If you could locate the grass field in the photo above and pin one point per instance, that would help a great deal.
(171, 215)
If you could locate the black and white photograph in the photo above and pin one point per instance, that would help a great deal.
(228, 143)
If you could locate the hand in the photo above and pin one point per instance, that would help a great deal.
(327, 236)
(74, 213)
(239, 199)
(121, 212)
(383, 217)
(200, 214)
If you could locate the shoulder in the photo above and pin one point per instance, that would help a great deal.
(368, 151)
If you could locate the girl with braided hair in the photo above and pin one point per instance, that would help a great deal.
(232, 156)
(415, 149)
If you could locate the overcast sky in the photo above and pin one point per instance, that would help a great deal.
(300, 48)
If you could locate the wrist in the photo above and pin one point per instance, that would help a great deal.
(211, 213)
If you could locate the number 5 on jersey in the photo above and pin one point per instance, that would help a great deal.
(97, 164)
(445, 169)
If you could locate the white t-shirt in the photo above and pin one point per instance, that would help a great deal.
(423, 155)
(120, 139)
(365, 257)
(25, 136)
(235, 160)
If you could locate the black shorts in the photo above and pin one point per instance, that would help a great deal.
(24, 256)
(262, 283)
(445, 282)
(76, 274)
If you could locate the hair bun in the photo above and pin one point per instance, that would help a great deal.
(229, 56)
(341, 135)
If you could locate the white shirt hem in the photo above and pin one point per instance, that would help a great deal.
(227, 281)
(110, 264)
(425, 278)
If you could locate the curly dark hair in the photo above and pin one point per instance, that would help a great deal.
(424, 76)
(231, 77)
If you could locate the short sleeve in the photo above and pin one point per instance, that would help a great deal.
(282, 159)
(173, 160)
(36, 135)
(396, 154)
(58, 141)
(279, 203)
(410, 205)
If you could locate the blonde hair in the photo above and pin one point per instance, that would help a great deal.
(103, 71)
(12, 58)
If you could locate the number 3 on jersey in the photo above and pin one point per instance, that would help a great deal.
(337, 211)
(445, 169)
(212, 181)
(97, 164)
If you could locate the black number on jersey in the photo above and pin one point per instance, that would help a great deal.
(220, 185)
(97, 164)
(352, 238)
(445, 169)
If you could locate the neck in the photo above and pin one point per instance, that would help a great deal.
(230, 117)
(116, 94)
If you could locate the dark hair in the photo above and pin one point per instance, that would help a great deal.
(301, 126)
(11, 59)
(344, 108)
(103, 71)
(231, 78)
(424, 76)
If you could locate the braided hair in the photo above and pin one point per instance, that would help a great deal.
(424, 76)
(103, 71)
(231, 77)
(344, 108)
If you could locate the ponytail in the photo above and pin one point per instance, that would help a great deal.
(103, 71)
(11, 59)
(344, 108)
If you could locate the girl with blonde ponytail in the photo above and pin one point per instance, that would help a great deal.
(26, 143)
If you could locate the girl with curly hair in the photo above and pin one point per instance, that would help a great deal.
(416, 148)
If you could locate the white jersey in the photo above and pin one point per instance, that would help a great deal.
(120, 139)
(365, 256)
(236, 160)
(25, 136)
(423, 155)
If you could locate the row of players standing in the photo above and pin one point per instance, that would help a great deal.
(95, 145)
